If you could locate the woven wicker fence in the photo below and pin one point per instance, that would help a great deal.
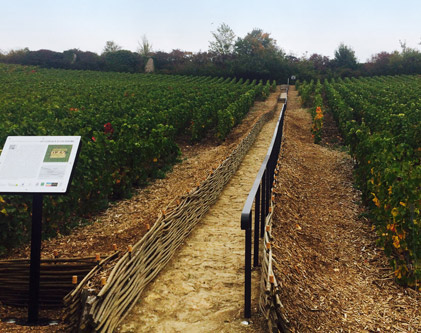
(103, 312)
(270, 303)
(56, 280)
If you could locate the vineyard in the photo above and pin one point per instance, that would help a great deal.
(134, 128)
(380, 120)
(129, 124)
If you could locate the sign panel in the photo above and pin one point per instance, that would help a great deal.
(37, 164)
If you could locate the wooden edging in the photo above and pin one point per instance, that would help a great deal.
(102, 312)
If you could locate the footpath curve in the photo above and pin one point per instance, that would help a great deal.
(202, 287)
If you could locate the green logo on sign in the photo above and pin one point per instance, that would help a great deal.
(58, 153)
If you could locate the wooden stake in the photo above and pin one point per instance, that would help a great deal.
(130, 248)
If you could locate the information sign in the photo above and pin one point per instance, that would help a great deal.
(37, 164)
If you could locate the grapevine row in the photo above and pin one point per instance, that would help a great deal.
(380, 119)
(129, 124)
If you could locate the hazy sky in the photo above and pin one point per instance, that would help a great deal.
(367, 26)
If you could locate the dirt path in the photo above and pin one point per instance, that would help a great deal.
(333, 277)
(202, 288)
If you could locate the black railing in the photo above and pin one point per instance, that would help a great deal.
(260, 195)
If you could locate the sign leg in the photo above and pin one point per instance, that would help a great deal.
(34, 273)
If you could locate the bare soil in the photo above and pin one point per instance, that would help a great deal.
(126, 221)
(333, 277)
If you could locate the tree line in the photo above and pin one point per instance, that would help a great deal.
(255, 56)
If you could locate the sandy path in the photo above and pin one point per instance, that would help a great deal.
(202, 288)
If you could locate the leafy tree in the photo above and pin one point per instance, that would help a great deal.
(320, 63)
(258, 57)
(123, 61)
(44, 58)
(178, 57)
(161, 60)
(145, 48)
(77, 59)
(224, 40)
(411, 61)
(256, 43)
(111, 46)
(16, 56)
(379, 64)
(408, 61)
(345, 57)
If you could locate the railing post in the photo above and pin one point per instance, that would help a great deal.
(263, 208)
(256, 228)
(247, 278)
(270, 170)
(262, 221)
(267, 193)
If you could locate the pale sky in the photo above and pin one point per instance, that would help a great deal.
(318, 26)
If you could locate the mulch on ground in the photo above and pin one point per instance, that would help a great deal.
(333, 277)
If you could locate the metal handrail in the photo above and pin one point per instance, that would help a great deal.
(260, 194)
